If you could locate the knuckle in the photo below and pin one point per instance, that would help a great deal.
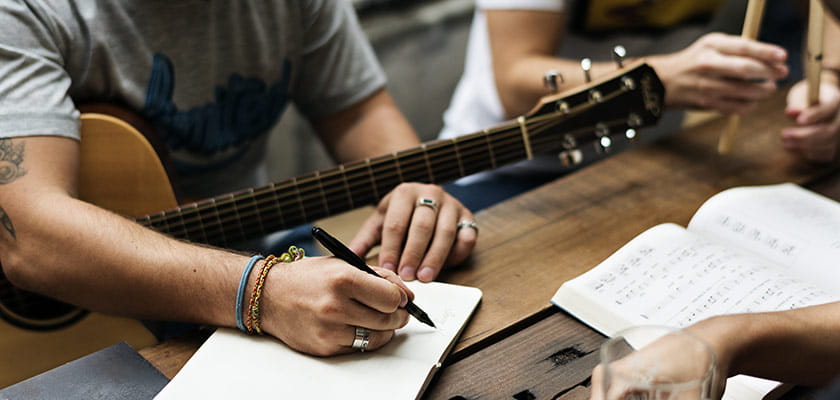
(343, 278)
(424, 225)
(330, 308)
(447, 231)
(393, 227)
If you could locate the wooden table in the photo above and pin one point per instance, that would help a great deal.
(518, 346)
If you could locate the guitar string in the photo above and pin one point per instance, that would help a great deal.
(513, 132)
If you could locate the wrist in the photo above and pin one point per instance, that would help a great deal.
(727, 338)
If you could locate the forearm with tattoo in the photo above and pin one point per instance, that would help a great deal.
(11, 156)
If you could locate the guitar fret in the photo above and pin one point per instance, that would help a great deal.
(321, 189)
(477, 158)
(372, 180)
(458, 156)
(193, 208)
(428, 164)
(219, 222)
(445, 161)
(256, 207)
(343, 173)
(278, 206)
(237, 218)
(414, 166)
(334, 182)
(299, 199)
(182, 231)
(399, 168)
(526, 141)
(490, 148)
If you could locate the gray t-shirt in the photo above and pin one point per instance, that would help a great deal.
(212, 76)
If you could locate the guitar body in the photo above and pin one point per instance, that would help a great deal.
(120, 171)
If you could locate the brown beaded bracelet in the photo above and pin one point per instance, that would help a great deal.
(252, 322)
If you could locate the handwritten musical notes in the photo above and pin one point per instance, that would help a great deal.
(671, 276)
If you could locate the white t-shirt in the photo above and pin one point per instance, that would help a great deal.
(475, 104)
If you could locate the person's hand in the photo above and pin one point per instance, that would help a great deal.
(817, 131)
(663, 361)
(315, 304)
(720, 73)
(417, 226)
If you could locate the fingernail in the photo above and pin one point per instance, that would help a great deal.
(403, 300)
(426, 274)
(407, 273)
(389, 266)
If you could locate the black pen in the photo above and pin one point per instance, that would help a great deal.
(343, 252)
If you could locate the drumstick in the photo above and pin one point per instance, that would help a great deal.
(813, 64)
(752, 23)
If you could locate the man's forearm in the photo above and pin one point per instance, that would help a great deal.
(799, 346)
(87, 256)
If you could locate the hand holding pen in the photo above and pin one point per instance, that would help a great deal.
(343, 252)
(316, 304)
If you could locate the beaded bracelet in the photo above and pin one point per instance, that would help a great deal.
(240, 293)
(253, 320)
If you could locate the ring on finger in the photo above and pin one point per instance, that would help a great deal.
(427, 202)
(467, 224)
(361, 339)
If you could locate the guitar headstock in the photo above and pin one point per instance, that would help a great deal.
(611, 108)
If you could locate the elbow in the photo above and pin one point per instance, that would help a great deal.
(514, 98)
(14, 268)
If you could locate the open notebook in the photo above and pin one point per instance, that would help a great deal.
(231, 364)
(747, 249)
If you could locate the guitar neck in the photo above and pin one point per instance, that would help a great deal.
(234, 217)
(560, 124)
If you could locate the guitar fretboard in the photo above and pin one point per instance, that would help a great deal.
(231, 218)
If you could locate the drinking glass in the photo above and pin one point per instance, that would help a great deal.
(656, 363)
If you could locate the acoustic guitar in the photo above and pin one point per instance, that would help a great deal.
(120, 171)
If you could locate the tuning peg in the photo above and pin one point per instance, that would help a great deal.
(604, 143)
(618, 54)
(550, 80)
(571, 155)
(586, 65)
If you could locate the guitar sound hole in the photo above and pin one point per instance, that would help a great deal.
(32, 311)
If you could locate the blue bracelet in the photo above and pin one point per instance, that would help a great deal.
(240, 294)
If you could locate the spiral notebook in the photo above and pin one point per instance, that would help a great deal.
(231, 364)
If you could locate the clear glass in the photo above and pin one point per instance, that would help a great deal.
(657, 363)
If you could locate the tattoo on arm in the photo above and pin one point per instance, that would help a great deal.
(11, 156)
(7, 223)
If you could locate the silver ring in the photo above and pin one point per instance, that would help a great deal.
(427, 202)
(467, 224)
(361, 339)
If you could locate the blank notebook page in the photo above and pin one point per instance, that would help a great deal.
(231, 364)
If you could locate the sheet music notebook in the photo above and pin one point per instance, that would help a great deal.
(231, 364)
(748, 249)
